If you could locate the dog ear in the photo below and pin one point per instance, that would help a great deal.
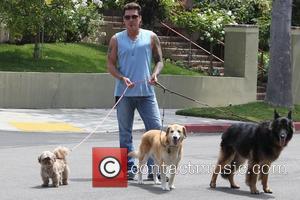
(184, 131)
(290, 115)
(39, 159)
(58, 154)
(53, 157)
(168, 130)
(271, 126)
(276, 115)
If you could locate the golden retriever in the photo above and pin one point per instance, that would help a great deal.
(166, 150)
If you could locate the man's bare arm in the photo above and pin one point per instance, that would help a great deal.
(112, 56)
(158, 59)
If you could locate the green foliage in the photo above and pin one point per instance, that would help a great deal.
(58, 57)
(84, 19)
(206, 21)
(256, 12)
(61, 20)
(210, 17)
(152, 10)
(66, 58)
(257, 111)
(113, 4)
(246, 11)
(17, 16)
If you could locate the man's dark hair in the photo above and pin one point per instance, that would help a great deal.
(132, 6)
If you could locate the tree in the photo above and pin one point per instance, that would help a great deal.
(279, 86)
(25, 17)
(59, 20)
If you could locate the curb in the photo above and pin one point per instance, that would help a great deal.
(190, 128)
(217, 128)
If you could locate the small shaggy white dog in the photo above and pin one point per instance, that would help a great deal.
(54, 166)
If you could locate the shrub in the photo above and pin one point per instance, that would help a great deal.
(152, 10)
(210, 17)
(206, 21)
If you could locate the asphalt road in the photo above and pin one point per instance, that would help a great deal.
(20, 170)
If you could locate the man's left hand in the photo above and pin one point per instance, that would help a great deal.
(153, 79)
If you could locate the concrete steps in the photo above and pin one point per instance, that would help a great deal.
(114, 24)
(175, 50)
(112, 18)
(178, 49)
(185, 57)
(196, 63)
(171, 39)
(184, 45)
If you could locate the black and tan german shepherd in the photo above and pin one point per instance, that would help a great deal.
(260, 144)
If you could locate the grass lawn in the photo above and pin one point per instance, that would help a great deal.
(65, 57)
(257, 111)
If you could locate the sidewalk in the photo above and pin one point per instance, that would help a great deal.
(88, 120)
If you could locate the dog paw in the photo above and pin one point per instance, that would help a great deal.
(268, 190)
(235, 186)
(172, 187)
(55, 184)
(166, 188)
(212, 185)
(157, 182)
(255, 191)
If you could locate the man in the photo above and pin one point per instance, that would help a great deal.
(130, 55)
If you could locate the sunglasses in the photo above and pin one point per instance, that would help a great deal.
(127, 17)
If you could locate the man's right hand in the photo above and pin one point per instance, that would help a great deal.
(127, 82)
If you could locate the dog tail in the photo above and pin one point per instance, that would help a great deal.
(232, 167)
(133, 154)
(61, 152)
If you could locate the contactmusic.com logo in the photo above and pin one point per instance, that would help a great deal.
(109, 167)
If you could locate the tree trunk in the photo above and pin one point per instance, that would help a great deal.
(37, 52)
(279, 87)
